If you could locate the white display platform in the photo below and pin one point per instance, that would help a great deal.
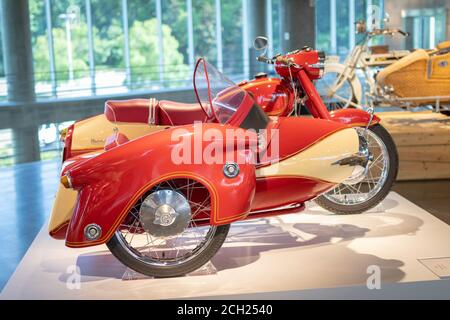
(310, 255)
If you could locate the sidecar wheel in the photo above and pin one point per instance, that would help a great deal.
(165, 234)
(359, 197)
(117, 248)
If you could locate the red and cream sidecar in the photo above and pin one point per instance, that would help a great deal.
(161, 190)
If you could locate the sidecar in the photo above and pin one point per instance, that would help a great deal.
(154, 174)
(423, 77)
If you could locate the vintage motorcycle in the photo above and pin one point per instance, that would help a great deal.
(131, 177)
(286, 95)
(397, 78)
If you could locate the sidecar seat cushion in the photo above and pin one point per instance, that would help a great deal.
(443, 45)
(134, 110)
(173, 113)
(409, 65)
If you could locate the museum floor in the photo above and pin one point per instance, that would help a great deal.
(26, 194)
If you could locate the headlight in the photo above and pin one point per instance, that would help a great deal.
(320, 65)
(66, 181)
(63, 134)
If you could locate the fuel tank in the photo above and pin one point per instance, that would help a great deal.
(274, 95)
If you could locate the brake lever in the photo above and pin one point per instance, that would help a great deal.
(403, 33)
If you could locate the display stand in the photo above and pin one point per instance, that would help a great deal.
(313, 254)
(206, 270)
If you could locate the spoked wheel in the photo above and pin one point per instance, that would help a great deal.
(366, 188)
(167, 233)
(334, 93)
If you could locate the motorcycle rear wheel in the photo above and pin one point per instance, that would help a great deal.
(350, 199)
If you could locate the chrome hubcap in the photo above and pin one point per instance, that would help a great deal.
(165, 213)
(165, 228)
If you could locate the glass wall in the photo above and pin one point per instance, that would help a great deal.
(204, 14)
(3, 88)
(6, 148)
(335, 34)
(86, 47)
(108, 44)
(231, 18)
(49, 141)
(425, 26)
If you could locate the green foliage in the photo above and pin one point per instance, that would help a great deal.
(204, 25)
(109, 40)
(232, 36)
(79, 54)
(144, 53)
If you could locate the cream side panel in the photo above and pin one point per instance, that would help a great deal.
(316, 161)
(65, 202)
(91, 133)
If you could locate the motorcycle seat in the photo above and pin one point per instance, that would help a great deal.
(153, 112)
(417, 60)
(443, 45)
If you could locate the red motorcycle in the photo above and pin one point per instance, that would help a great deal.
(282, 97)
(160, 182)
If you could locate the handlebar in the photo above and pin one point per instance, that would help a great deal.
(283, 60)
(403, 33)
(279, 59)
(377, 32)
(265, 60)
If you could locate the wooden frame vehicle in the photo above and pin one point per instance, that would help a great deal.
(393, 79)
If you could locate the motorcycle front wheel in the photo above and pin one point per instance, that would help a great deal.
(161, 237)
(338, 95)
(360, 195)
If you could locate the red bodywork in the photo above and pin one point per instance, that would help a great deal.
(276, 97)
(110, 183)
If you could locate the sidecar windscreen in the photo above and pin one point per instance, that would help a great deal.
(224, 101)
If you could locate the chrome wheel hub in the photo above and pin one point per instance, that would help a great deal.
(165, 213)
(368, 179)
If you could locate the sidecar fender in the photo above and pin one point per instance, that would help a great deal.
(109, 184)
(354, 117)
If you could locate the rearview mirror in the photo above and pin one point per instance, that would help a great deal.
(260, 43)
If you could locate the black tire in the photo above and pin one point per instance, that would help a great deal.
(124, 256)
(382, 193)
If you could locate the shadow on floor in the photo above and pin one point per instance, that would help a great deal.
(260, 237)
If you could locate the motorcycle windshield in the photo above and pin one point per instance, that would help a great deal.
(220, 97)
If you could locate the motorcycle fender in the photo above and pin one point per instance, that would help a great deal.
(354, 117)
(111, 183)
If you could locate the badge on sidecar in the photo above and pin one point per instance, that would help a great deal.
(443, 63)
